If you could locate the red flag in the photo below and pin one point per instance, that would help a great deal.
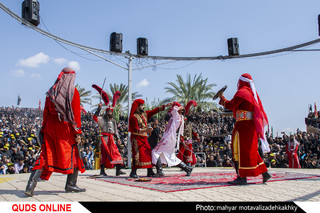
(315, 110)
(39, 104)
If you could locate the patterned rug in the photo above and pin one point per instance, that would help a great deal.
(179, 182)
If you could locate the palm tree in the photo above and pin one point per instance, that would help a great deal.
(85, 95)
(155, 103)
(122, 102)
(124, 93)
(193, 88)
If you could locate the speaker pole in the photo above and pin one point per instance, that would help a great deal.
(130, 58)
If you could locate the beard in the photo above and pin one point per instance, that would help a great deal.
(141, 110)
(109, 115)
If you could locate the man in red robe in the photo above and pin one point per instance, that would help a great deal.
(249, 127)
(61, 129)
(291, 151)
(186, 153)
(138, 126)
(110, 155)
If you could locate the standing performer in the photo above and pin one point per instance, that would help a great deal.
(165, 149)
(186, 153)
(110, 154)
(291, 151)
(249, 127)
(141, 151)
(61, 129)
(154, 139)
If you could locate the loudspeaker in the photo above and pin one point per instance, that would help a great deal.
(116, 42)
(233, 46)
(30, 11)
(319, 25)
(142, 46)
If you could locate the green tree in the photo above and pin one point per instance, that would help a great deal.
(156, 103)
(121, 107)
(85, 95)
(194, 88)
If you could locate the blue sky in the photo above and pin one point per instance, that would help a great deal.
(286, 82)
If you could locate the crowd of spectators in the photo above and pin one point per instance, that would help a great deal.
(19, 147)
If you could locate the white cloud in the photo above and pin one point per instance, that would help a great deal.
(143, 83)
(36, 76)
(34, 61)
(74, 65)
(60, 61)
(17, 73)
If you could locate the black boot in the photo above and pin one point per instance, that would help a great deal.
(185, 168)
(133, 173)
(71, 184)
(266, 176)
(239, 181)
(102, 172)
(159, 169)
(33, 180)
(236, 167)
(118, 170)
(150, 172)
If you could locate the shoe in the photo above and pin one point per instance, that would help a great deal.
(159, 169)
(119, 171)
(239, 181)
(150, 173)
(102, 171)
(75, 189)
(32, 183)
(266, 176)
(133, 173)
(184, 167)
(71, 184)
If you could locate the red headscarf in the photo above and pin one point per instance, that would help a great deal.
(61, 94)
(247, 91)
(135, 105)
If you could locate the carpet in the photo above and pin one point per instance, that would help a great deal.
(201, 180)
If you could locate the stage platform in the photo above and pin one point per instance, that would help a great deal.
(205, 184)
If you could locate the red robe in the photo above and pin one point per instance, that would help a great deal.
(291, 151)
(244, 136)
(186, 153)
(141, 151)
(59, 151)
(110, 154)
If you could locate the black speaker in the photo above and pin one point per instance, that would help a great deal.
(142, 46)
(30, 11)
(233, 46)
(319, 24)
(116, 42)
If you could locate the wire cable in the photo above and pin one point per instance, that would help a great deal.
(92, 49)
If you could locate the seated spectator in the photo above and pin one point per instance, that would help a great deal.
(18, 166)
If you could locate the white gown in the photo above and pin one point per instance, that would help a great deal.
(165, 149)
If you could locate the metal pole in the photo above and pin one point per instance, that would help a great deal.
(129, 108)
(219, 118)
